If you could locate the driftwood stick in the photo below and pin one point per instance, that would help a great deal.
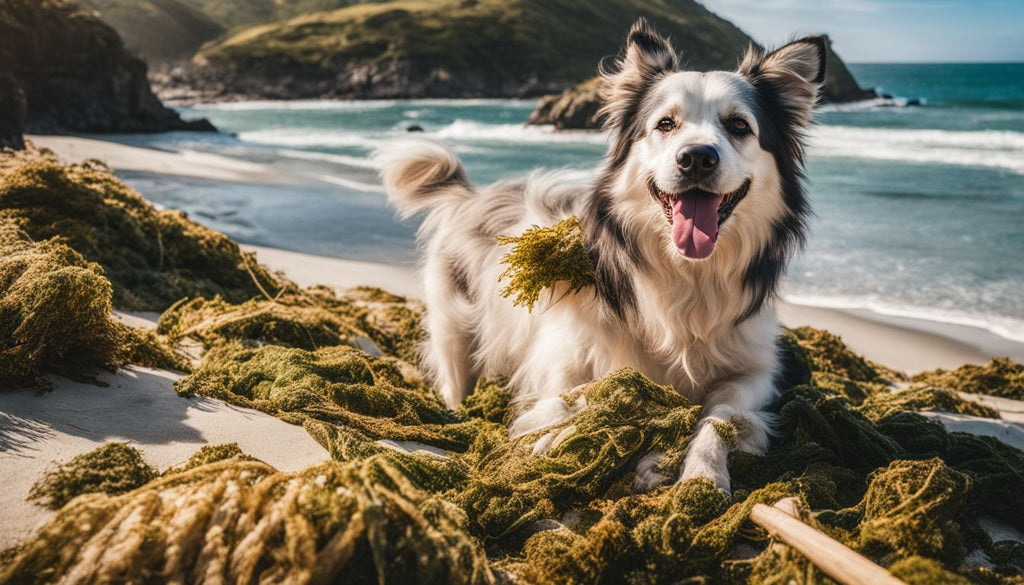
(833, 558)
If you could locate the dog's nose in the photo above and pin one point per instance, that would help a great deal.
(697, 160)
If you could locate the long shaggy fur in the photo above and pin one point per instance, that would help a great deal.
(706, 327)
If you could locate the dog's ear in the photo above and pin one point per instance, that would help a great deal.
(793, 73)
(646, 56)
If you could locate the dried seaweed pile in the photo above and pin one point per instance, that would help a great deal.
(461, 503)
(151, 257)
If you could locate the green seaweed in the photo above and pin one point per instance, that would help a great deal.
(917, 399)
(542, 257)
(999, 377)
(55, 316)
(113, 468)
(151, 257)
(242, 521)
(338, 384)
(310, 318)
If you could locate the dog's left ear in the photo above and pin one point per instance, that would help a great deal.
(646, 56)
(793, 73)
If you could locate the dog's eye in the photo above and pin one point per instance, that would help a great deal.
(738, 126)
(665, 124)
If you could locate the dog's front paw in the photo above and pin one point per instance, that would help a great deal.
(552, 439)
(648, 472)
(695, 467)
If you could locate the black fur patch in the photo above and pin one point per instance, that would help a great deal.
(782, 135)
(460, 279)
(615, 256)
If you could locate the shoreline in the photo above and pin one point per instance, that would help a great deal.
(906, 343)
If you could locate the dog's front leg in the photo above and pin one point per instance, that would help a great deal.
(732, 419)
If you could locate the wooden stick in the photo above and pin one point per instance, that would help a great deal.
(834, 559)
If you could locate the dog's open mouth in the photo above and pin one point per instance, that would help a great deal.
(696, 215)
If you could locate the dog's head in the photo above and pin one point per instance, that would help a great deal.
(716, 153)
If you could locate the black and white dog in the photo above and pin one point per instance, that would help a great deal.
(690, 223)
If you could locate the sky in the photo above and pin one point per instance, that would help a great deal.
(889, 31)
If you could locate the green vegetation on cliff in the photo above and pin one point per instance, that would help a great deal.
(414, 48)
(455, 48)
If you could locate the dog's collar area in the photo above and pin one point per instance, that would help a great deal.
(729, 200)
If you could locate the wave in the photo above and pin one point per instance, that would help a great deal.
(295, 105)
(351, 183)
(341, 159)
(312, 138)
(355, 105)
(473, 131)
(985, 148)
(1005, 327)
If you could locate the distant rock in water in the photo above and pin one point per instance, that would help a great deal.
(414, 128)
(76, 74)
(12, 113)
(576, 108)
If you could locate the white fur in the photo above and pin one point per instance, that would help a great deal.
(684, 332)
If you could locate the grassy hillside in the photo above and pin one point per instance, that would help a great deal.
(159, 30)
(231, 14)
(451, 47)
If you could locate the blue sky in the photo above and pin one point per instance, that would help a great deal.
(889, 30)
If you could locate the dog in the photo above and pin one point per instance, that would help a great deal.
(690, 222)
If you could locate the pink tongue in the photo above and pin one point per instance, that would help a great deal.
(695, 224)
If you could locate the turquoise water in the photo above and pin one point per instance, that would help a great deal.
(918, 209)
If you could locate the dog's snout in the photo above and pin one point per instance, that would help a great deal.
(698, 160)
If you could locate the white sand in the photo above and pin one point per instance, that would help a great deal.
(183, 163)
(139, 406)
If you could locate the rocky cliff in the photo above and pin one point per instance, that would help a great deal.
(75, 73)
(12, 113)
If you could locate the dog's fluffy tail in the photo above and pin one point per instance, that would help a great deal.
(421, 174)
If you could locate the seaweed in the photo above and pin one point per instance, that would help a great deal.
(311, 318)
(337, 384)
(544, 256)
(113, 468)
(999, 377)
(917, 399)
(151, 257)
(55, 316)
(242, 521)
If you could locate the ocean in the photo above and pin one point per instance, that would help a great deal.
(919, 209)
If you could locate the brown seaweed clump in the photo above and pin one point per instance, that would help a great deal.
(544, 256)
(364, 317)
(1000, 377)
(241, 521)
(152, 257)
(114, 468)
(55, 316)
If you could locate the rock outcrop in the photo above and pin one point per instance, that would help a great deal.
(12, 113)
(76, 74)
